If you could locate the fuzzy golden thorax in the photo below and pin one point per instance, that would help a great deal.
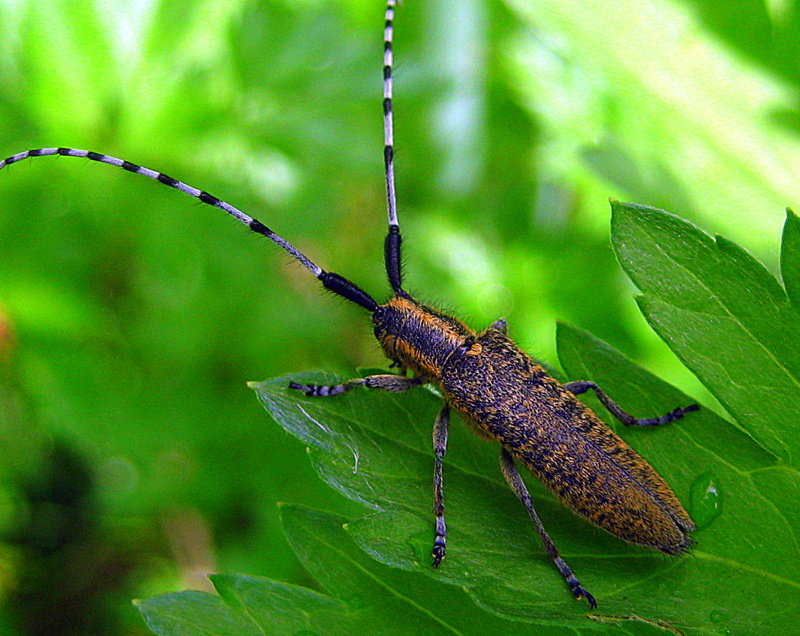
(420, 337)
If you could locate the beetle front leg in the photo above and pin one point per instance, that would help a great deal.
(514, 480)
(440, 431)
(581, 386)
(383, 382)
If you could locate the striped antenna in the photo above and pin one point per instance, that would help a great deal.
(388, 120)
(331, 281)
(393, 239)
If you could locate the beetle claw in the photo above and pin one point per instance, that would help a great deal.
(579, 592)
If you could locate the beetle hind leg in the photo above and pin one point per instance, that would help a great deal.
(514, 480)
(383, 382)
(581, 386)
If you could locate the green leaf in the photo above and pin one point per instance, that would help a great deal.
(790, 257)
(374, 448)
(745, 506)
(381, 599)
(365, 595)
(192, 612)
(246, 605)
(723, 314)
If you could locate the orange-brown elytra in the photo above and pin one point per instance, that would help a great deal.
(496, 387)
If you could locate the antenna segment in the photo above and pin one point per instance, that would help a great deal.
(391, 246)
(334, 282)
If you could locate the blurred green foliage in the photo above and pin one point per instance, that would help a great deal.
(131, 316)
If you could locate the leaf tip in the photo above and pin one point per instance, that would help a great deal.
(615, 204)
(562, 325)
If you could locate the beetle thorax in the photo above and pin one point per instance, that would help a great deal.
(419, 337)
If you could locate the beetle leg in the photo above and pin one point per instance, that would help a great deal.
(440, 430)
(514, 480)
(382, 382)
(581, 386)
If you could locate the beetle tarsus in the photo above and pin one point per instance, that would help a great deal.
(320, 390)
(674, 414)
(439, 551)
(579, 592)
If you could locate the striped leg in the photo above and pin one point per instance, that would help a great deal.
(514, 480)
(382, 382)
(440, 430)
(581, 386)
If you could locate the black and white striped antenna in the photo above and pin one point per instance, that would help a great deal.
(391, 246)
(337, 284)
(334, 282)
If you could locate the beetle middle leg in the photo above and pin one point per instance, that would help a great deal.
(581, 386)
(383, 382)
(514, 480)
(440, 431)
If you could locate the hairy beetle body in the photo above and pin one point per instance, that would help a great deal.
(509, 397)
(419, 337)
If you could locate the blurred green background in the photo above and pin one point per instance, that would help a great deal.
(134, 458)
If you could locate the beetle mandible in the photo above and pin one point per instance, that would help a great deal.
(502, 392)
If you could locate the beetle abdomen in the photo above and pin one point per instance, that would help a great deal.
(579, 459)
(598, 488)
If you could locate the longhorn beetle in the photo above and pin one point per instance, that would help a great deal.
(503, 393)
